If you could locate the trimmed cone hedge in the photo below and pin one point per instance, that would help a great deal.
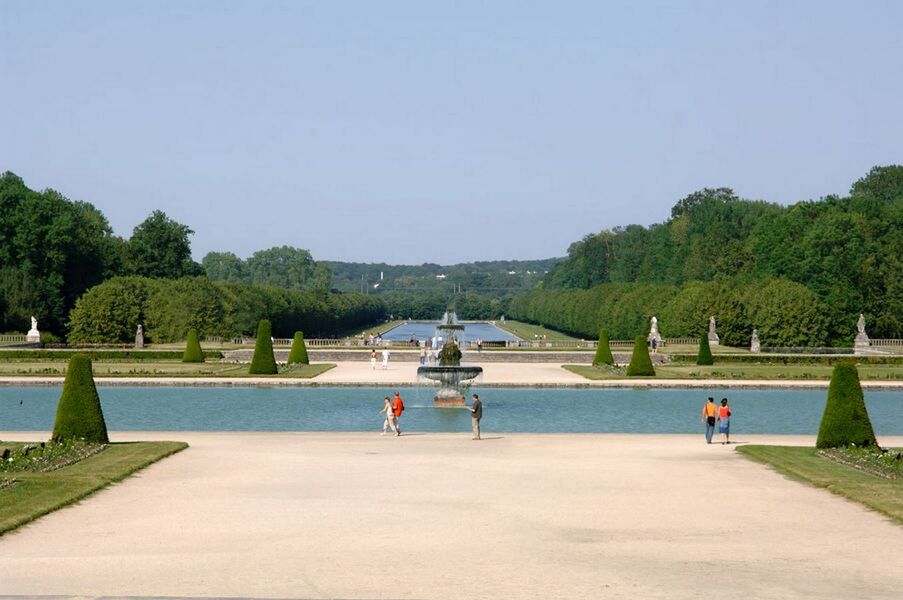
(298, 354)
(603, 351)
(845, 420)
(640, 363)
(193, 352)
(705, 351)
(264, 362)
(78, 414)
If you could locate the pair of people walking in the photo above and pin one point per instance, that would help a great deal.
(393, 409)
(713, 414)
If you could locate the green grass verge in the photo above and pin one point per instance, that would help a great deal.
(803, 464)
(157, 369)
(527, 331)
(36, 494)
(741, 371)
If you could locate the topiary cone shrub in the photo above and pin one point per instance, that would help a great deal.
(193, 352)
(263, 363)
(845, 420)
(78, 414)
(298, 354)
(603, 351)
(640, 363)
(705, 351)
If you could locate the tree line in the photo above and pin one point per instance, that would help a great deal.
(169, 308)
(847, 251)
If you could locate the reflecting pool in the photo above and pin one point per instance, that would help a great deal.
(505, 409)
(422, 331)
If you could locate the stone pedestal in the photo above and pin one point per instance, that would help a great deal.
(862, 344)
(713, 336)
(654, 335)
(139, 338)
(33, 336)
(449, 401)
(754, 346)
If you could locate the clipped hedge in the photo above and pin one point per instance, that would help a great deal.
(193, 352)
(298, 353)
(794, 359)
(704, 357)
(640, 363)
(603, 351)
(99, 354)
(264, 362)
(78, 414)
(845, 420)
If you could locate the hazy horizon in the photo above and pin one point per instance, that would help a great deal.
(411, 133)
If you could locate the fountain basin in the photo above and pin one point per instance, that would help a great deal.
(451, 381)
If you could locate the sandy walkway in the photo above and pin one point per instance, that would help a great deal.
(494, 374)
(440, 516)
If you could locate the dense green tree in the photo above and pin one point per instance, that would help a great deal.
(787, 314)
(603, 351)
(845, 420)
(288, 267)
(263, 362)
(225, 266)
(78, 414)
(111, 312)
(298, 353)
(640, 362)
(193, 352)
(159, 247)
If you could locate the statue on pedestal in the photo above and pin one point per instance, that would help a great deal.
(654, 338)
(33, 334)
(862, 343)
(139, 337)
(754, 346)
(713, 336)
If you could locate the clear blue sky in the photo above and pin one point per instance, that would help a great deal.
(418, 131)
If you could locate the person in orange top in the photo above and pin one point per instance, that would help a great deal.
(724, 421)
(709, 414)
(397, 408)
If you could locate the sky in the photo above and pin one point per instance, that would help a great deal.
(411, 132)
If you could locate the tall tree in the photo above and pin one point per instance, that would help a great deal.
(159, 247)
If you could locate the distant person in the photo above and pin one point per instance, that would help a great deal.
(479, 344)
(654, 344)
(385, 359)
(724, 421)
(373, 360)
(709, 414)
(390, 417)
(423, 356)
(397, 408)
(476, 413)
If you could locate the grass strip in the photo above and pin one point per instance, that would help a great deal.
(529, 332)
(37, 494)
(805, 465)
(726, 370)
(159, 369)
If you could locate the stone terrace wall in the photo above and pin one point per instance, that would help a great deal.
(521, 356)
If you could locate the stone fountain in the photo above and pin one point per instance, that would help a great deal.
(453, 378)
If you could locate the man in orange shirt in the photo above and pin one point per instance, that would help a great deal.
(709, 411)
(397, 408)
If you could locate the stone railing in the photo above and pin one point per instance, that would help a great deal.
(13, 338)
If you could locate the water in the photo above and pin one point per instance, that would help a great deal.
(423, 331)
(505, 410)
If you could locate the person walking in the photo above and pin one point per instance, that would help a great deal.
(385, 359)
(373, 360)
(476, 413)
(423, 355)
(397, 409)
(390, 417)
(724, 421)
(709, 413)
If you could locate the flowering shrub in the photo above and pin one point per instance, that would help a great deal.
(877, 461)
(49, 456)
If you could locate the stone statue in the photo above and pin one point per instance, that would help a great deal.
(34, 323)
(139, 337)
(754, 345)
(862, 343)
(654, 335)
(33, 335)
(713, 335)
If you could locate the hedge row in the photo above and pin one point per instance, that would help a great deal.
(794, 359)
(100, 354)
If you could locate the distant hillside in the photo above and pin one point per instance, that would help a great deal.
(497, 277)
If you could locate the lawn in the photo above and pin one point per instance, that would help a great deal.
(156, 368)
(804, 464)
(741, 371)
(34, 494)
(528, 331)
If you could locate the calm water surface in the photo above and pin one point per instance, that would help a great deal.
(505, 410)
(423, 331)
